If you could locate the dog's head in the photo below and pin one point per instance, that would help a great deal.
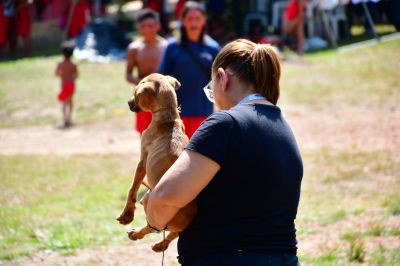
(153, 93)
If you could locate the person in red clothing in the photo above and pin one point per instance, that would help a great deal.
(15, 21)
(3, 30)
(294, 23)
(75, 21)
(68, 72)
(24, 24)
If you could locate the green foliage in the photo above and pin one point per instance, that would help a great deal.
(356, 250)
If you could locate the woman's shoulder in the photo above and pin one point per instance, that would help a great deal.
(244, 111)
(172, 41)
(210, 42)
(219, 119)
(221, 116)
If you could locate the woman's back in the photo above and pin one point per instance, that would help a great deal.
(252, 201)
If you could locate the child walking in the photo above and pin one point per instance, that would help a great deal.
(68, 72)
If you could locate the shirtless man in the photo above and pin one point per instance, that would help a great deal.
(145, 55)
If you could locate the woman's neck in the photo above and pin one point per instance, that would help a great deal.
(193, 37)
(240, 91)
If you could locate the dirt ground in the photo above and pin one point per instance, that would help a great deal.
(358, 128)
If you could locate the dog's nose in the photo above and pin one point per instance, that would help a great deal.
(133, 107)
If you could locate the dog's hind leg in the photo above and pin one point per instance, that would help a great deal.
(127, 214)
(163, 244)
(136, 234)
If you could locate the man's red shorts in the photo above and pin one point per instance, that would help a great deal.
(192, 123)
(143, 120)
(67, 90)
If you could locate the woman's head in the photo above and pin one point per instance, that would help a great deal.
(193, 20)
(256, 65)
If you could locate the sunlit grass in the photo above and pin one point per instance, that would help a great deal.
(339, 188)
(28, 93)
(62, 203)
(368, 76)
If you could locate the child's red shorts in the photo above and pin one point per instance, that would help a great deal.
(143, 120)
(192, 123)
(67, 90)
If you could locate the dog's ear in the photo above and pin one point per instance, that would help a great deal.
(174, 82)
(147, 90)
(156, 86)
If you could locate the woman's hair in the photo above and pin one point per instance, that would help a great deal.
(191, 5)
(255, 64)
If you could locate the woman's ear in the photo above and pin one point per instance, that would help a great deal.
(223, 78)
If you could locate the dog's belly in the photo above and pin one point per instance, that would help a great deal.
(183, 218)
(157, 164)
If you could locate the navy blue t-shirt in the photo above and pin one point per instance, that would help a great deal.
(251, 203)
(177, 62)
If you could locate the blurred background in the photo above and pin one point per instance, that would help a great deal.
(327, 23)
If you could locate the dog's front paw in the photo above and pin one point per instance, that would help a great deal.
(135, 234)
(127, 214)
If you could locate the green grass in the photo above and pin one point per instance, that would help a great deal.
(368, 76)
(392, 203)
(62, 203)
(29, 88)
(345, 185)
(28, 93)
(336, 189)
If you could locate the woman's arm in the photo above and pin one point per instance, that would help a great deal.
(185, 179)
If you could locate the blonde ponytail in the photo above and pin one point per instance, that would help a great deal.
(267, 71)
(255, 64)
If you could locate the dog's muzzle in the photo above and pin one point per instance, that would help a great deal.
(133, 107)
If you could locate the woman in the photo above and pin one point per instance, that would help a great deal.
(242, 166)
(189, 59)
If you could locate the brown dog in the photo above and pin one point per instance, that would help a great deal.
(161, 144)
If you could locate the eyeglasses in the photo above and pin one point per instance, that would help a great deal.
(209, 92)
